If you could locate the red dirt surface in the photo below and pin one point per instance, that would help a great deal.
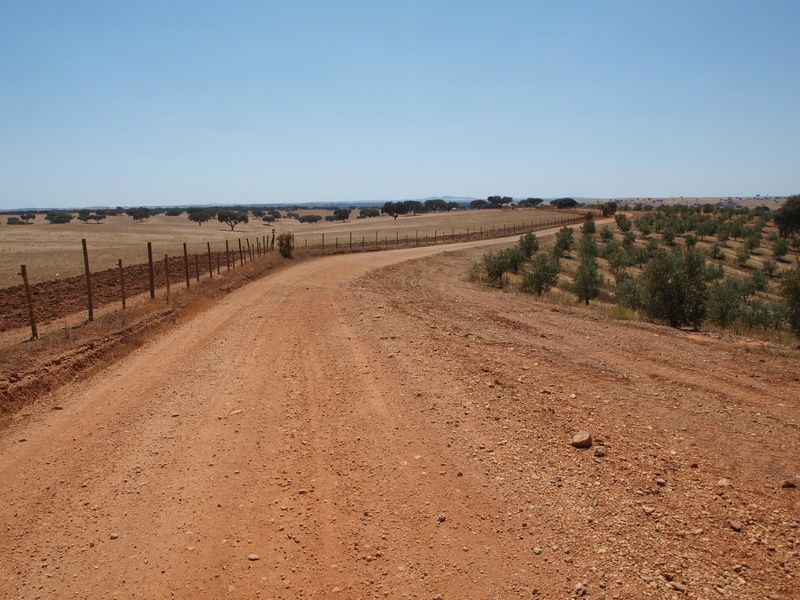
(362, 427)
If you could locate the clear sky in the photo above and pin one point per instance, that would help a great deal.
(143, 102)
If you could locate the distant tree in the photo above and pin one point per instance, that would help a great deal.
(341, 214)
(414, 206)
(478, 204)
(394, 209)
(369, 213)
(530, 203)
(452, 206)
(589, 227)
(609, 208)
(27, 216)
(606, 233)
(587, 281)
(232, 218)
(787, 218)
(173, 212)
(628, 239)
(200, 216)
(15, 221)
(139, 214)
(623, 222)
(310, 218)
(435, 205)
(257, 213)
(86, 216)
(540, 274)
(499, 201)
(58, 218)
(268, 219)
(564, 203)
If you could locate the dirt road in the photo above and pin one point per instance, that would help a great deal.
(362, 427)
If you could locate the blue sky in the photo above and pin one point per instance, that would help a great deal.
(177, 102)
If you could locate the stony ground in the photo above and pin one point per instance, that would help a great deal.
(361, 427)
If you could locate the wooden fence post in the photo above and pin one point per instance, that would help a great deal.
(166, 273)
(152, 274)
(241, 256)
(88, 279)
(186, 264)
(323, 241)
(210, 266)
(122, 282)
(31, 318)
(227, 256)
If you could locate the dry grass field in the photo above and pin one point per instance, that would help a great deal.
(54, 251)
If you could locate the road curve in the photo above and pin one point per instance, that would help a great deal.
(261, 449)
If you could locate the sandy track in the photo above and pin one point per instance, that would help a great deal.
(400, 433)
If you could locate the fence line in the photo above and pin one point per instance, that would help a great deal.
(115, 278)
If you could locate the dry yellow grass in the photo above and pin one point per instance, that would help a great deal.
(54, 251)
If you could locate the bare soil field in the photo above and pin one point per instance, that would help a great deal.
(374, 426)
(54, 251)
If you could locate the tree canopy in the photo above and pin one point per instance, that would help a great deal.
(341, 214)
(232, 218)
(564, 203)
(139, 214)
(787, 218)
(498, 201)
(200, 216)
